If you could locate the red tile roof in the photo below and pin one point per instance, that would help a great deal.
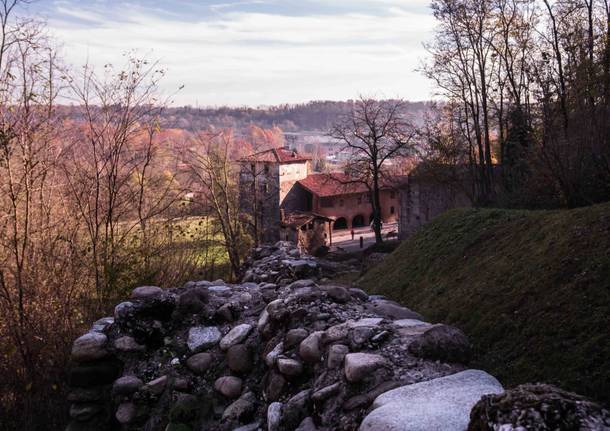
(276, 155)
(334, 184)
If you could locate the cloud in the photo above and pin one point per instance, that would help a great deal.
(236, 55)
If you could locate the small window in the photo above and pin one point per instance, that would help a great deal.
(253, 168)
(392, 210)
(326, 202)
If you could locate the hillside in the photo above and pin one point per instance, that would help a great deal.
(531, 289)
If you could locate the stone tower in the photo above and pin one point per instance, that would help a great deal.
(265, 183)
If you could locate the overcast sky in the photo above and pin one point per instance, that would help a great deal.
(255, 52)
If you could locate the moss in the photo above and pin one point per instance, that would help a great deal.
(531, 289)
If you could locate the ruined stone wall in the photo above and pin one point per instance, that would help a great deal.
(281, 351)
(422, 200)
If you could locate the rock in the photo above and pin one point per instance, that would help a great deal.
(89, 347)
(439, 404)
(364, 400)
(336, 354)
(410, 323)
(296, 409)
(126, 385)
(359, 365)
(274, 416)
(338, 293)
(538, 407)
(274, 386)
(325, 393)
(239, 358)
(199, 363)
(360, 336)
(101, 325)
(336, 333)
(289, 367)
(276, 309)
(307, 424)
(272, 356)
(391, 310)
(241, 410)
(83, 412)
(157, 386)
(229, 386)
(228, 312)
(254, 426)
(263, 320)
(294, 337)
(359, 293)
(128, 344)
(193, 300)
(126, 413)
(145, 292)
(309, 349)
(235, 336)
(203, 337)
(444, 343)
(185, 408)
(301, 283)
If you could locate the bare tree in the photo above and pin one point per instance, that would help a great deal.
(217, 176)
(374, 133)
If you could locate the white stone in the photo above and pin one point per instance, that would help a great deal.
(235, 336)
(439, 404)
(359, 365)
(203, 337)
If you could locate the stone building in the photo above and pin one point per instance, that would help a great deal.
(266, 179)
(278, 191)
(425, 196)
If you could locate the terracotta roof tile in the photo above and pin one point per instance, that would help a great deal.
(276, 155)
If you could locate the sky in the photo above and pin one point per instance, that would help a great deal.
(254, 52)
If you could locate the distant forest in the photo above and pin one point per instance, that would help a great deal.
(312, 116)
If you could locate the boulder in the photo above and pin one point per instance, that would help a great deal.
(439, 404)
(203, 337)
(359, 365)
(157, 386)
(336, 354)
(239, 358)
(229, 386)
(126, 385)
(538, 407)
(126, 413)
(294, 337)
(128, 344)
(145, 292)
(274, 416)
(289, 367)
(89, 347)
(235, 336)
(242, 409)
(309, 349)
(444, 343)
(272, 356)
(199, 363)
(391, 310)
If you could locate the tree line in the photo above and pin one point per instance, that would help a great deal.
(527, 89)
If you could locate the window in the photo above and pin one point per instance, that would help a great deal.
(392, 210)
(253, 168)
(341, 202)
(327, 202)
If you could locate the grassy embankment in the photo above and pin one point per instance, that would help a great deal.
(531, 290)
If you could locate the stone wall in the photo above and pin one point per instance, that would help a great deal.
(422, 199)
(283, 350)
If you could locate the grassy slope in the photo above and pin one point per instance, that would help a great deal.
(531, 289)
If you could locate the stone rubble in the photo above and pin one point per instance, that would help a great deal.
(279, 351)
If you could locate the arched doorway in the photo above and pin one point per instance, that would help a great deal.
(340, 223)
(358, 221)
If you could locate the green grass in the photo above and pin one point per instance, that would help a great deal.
(531, 289)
